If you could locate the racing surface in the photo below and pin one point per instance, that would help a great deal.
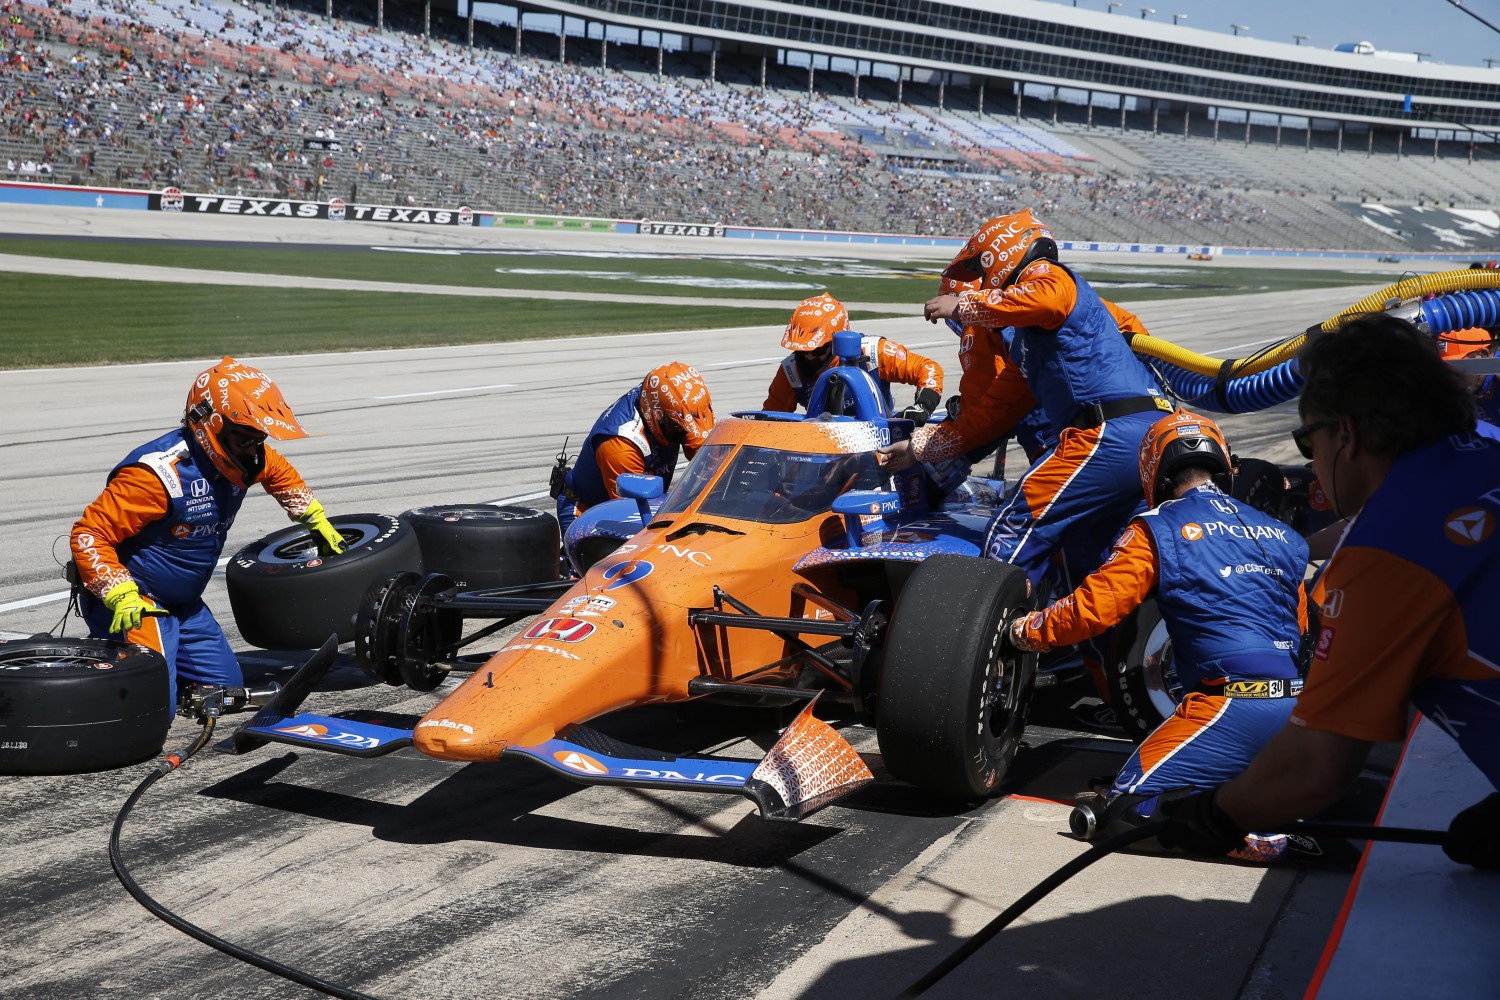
(409, 877)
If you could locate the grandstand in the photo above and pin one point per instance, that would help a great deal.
(394, 105)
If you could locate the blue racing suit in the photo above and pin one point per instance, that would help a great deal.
(586, 483)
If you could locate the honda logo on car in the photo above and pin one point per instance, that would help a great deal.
(560, 630)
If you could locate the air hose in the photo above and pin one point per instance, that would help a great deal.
(1353, 831)
(1403, 293)
(1244, 385)
(166, 766)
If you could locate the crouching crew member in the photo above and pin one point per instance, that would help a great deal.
(146, 548)
(1228, 581)
(642, 432)
(809, 336)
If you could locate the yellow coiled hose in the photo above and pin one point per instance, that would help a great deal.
(1402, 293)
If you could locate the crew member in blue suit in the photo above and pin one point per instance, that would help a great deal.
(146, 548)
(643, 432)
(1228, 581)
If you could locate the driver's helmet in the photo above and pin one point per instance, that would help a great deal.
(809, 335)
(234, 393)
(1464, 343)
(1177, 441)
(1002, 249)
(676, 407)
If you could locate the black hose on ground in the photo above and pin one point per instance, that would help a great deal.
(1350, 831)
(117, 861)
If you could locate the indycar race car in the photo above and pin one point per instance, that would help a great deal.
(785, 566)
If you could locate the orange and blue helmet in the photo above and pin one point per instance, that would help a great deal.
(1177, 441)
(676, 407)
(814, 323)
(1003, 248)
(232, 398)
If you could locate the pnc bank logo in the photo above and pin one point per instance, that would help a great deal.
(1192, 531)
(1468, 526)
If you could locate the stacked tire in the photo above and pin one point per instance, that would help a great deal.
(74, 705)
(286, 595)
(481, 546)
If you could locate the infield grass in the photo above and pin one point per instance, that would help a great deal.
(660, 275)
(51, 321)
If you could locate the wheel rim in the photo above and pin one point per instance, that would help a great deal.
(60, 660)
(1159, 672)
(998, 700)
(304, 547)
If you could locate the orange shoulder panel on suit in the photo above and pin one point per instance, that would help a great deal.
(133, 499)
(1378, 641)
(897, 364)
(1043, 295)
(780, 397)
(1104, 599)
(615, 457)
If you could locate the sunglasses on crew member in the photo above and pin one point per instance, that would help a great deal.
(1302, 436)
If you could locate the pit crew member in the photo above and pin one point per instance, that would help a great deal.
(1407, 600)
(809, 337)
(1228, 581)
(1475, 342)
(146, 548)
(642, 432)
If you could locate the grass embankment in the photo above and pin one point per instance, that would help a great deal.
(47, 320)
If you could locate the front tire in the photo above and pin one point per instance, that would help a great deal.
(952, 700)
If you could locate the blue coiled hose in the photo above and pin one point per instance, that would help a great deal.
(1281, 384)
(1246, 394)
(1461, 310)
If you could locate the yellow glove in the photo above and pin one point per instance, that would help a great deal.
(316, 518)
(128, 606)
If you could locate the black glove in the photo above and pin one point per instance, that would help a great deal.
(1474, 835)
(918, 412)
(1196, 825)
(952, 406)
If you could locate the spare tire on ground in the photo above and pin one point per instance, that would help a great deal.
(71, 705)
(285, 595)
(484, 545)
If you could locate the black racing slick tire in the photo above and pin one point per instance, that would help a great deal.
(483, 545)
(953, 700)
(1143, 684)
(73, 705)
(285, 595)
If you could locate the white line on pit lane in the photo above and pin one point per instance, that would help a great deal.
(62, 595)
(441, 392)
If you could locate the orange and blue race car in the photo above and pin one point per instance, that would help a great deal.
(785, 566)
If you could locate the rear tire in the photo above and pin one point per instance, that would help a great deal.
(483, 545)
(287, 596)
(72, 705)
(952, 701)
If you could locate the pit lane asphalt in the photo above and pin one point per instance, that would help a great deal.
(408, 877)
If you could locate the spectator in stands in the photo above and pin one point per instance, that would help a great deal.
(1407, 600)
(146, 548)
(642, 432)
(809, 336)
(1235, 636)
